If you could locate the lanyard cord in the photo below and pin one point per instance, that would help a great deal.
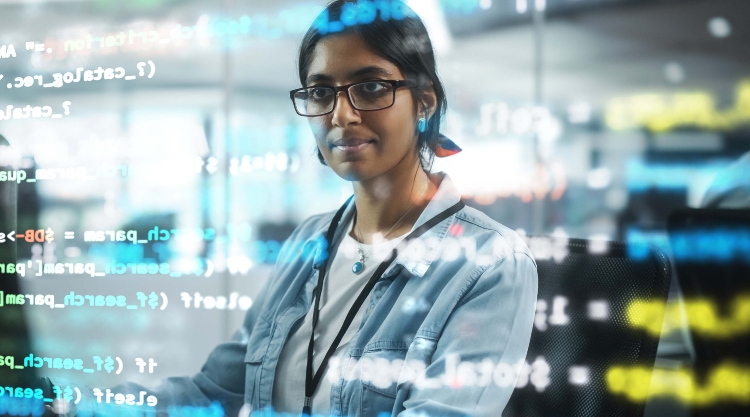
(312, 381)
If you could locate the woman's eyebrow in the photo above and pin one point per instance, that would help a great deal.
(314, 78)
(369, 71)
(366, 71)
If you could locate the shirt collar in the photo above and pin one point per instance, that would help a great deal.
(446, 195)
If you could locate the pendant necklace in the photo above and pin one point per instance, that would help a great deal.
(359, 266)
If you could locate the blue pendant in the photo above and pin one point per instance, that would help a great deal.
(358, 267)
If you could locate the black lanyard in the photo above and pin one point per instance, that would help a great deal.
(311, 382)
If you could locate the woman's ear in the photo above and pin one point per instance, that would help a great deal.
(429, 102)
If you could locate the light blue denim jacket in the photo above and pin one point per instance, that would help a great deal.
(448, 320)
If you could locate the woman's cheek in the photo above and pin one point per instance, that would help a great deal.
(319, 128)
(319, 133)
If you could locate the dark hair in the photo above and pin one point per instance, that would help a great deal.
(393, 31)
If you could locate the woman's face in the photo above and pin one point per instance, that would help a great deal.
(383, 138)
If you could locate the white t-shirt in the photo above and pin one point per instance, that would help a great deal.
(340, 288)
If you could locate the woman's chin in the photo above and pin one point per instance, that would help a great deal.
(353, 171)
(353, 175)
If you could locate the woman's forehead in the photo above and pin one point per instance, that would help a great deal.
(343, 58)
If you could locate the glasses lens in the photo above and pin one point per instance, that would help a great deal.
(314, 101)
(372, 95)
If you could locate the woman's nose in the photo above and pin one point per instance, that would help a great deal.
(344, 113)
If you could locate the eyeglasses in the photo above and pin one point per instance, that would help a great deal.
(364, 96)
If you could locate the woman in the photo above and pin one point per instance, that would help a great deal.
(443, 325)
(374, 102)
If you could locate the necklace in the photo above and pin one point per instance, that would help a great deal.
(359, 266)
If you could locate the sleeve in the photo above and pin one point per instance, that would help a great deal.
(219, 387)
(475, 364)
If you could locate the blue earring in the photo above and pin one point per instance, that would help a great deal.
(422, 124)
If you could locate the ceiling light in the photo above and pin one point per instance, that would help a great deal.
(522, 6)
(719, 27)
(674, 72)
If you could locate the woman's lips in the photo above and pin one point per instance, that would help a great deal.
(351, 149)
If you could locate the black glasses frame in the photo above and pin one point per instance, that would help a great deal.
(395, 83)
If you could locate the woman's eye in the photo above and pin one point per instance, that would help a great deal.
(319, 93)
(372, 87)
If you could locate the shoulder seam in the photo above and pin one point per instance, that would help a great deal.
(501, 235)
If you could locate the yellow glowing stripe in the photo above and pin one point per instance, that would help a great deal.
(662, 113)
(702, 317)
(727, 383)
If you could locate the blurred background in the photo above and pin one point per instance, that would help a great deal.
(588, 119)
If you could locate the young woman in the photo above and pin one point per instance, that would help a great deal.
(374, 102)
(409, 303)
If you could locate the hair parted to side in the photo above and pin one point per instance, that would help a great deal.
(394, 31)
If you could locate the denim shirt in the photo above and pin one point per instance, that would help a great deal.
(445, 331)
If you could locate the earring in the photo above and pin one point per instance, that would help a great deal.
(422, 124)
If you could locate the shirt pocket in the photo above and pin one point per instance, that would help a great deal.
(379, 374)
